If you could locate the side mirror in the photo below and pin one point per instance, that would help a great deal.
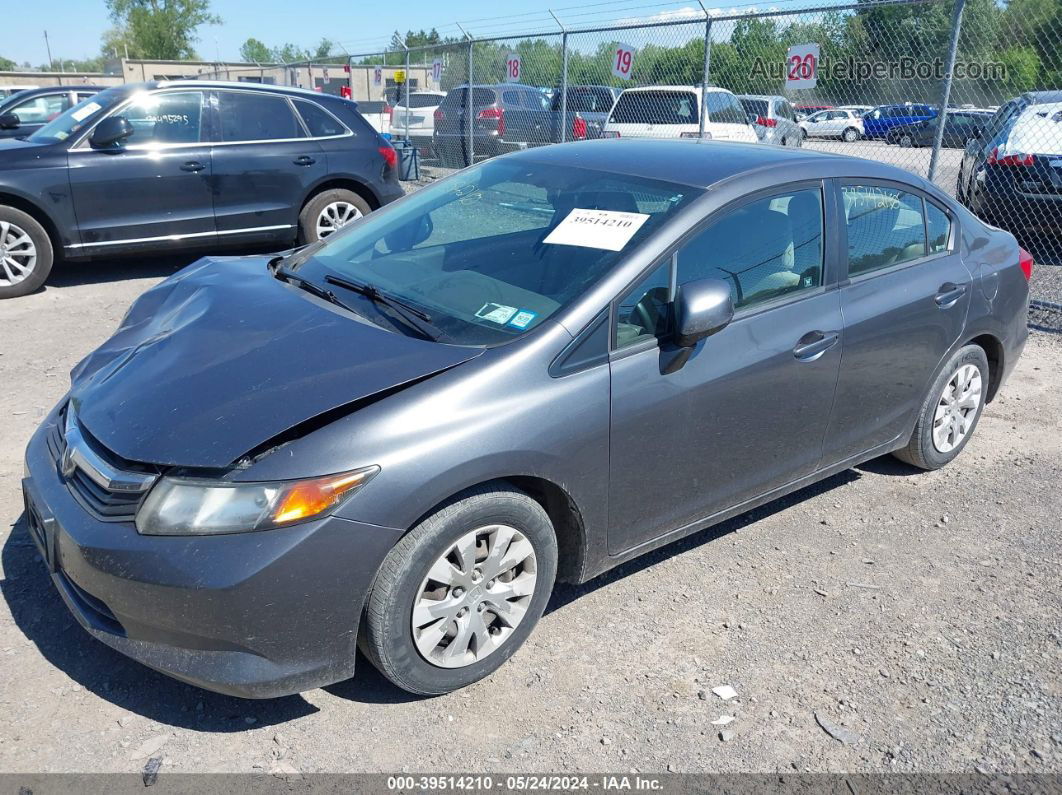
(110, 132)
(702, 308)
(10, 121)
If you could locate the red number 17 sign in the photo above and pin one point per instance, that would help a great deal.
(802, 66)
(622, 61)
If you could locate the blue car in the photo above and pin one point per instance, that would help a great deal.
(878, 122)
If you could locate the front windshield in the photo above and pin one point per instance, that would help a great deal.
(78, 117)
(494, 251)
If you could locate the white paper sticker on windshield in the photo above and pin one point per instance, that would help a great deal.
(607, 229)
(83, 113)
(496, 313)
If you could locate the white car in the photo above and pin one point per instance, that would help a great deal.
(420, 124)
(674, 112)
(860, 109)
(834, 123)
(377, 113)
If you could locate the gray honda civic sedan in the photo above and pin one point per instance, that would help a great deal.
(401, 437)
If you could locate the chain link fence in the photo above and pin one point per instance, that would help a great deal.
(959, 91)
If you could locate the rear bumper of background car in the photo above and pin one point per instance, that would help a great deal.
(255, 615)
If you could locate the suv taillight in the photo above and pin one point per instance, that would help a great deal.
(578, 129)
(389, 155)
(763, 121)
(995, 159)
(1025, 262)
(439, 115)
(497, 114)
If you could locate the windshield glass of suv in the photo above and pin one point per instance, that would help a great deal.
(78, 117)
(496, 250)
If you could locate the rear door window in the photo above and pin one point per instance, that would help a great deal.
(656, 107)
(248, 116)
(318, 121)
(885, 227)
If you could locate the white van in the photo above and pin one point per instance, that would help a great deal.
(674, 112)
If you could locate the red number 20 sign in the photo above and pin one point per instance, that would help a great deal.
(802, 66)
(622, 61)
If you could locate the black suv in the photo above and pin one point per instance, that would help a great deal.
(490, 136)
(176, 165)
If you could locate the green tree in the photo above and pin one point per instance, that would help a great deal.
(164, 29)
(255, 51)
(7, 65)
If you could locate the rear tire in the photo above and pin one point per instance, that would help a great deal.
(26, 254)
(931, 445)
(906, 141)
(329, 211)
(850, 135)
(414, 630)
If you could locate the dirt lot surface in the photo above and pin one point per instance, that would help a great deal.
(917, 615)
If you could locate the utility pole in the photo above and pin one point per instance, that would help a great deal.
(49, 48)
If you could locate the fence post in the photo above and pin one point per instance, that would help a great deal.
(468, 109)
(564, 88)
(953, 46)
(407, 95)
(704, 78)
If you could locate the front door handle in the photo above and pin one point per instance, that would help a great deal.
(304, 160)
(814, 344)
(949, 294)
(193, 166)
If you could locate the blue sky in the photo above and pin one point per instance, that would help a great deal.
(74, 26)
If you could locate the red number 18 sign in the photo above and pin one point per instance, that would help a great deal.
(622, 61)
(512, 68)
(802, 66)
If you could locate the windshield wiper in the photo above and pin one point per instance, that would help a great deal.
(414, 317)
(312, 288)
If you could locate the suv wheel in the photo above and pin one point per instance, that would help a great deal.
(25, 253)
(850, 135)
(950, 412)
(906, 141)
(461, 592)
(328, 212)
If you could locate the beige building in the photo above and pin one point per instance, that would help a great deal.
(329, 78)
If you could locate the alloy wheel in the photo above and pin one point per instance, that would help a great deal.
(474, 596)
(335, 216)
(957, 408)
(18, 254)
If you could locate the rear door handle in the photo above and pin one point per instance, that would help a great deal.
(949, 294)
(304, 160)
(814, 344)
(192, 165)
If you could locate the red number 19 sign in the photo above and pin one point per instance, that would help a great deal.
(622, 61)
(802, 66)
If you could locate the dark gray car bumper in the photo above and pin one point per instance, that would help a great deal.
(255, 615)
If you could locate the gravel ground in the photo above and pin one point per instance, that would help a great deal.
(920, 612)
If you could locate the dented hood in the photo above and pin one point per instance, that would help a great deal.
(222, 357)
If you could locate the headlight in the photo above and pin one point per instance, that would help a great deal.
(187, 506)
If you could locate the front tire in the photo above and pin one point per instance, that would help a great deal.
(328, 212)
(906, 141)
(950, 412)
(459, 594)
(26, 254)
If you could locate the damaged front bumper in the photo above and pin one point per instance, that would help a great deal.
(255, 615)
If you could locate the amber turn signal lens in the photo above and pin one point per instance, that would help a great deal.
(308, 498)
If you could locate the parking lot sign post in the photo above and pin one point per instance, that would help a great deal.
(953, 46)
(705, 75)
(564, 87)
(468, 105)
(407, 94)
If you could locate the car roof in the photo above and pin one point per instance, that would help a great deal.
(705, 163)
(1043, 97)
(248, 86)
(29, 93)
(693, 89)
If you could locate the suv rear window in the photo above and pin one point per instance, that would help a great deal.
(420, 100)
(724, 108)
(586, 100)
(320, 123)
(655, 107)
(480, 96)
(757, 106)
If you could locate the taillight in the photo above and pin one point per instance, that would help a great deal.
(763, 121)
(1025, 262)
(494, 113)
(439, 115)
(390, 114)
(389, 155)
(995, 159)
(578, 129)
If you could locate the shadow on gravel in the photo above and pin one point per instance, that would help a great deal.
(564, 593)
(43, 618)
(892, 467)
